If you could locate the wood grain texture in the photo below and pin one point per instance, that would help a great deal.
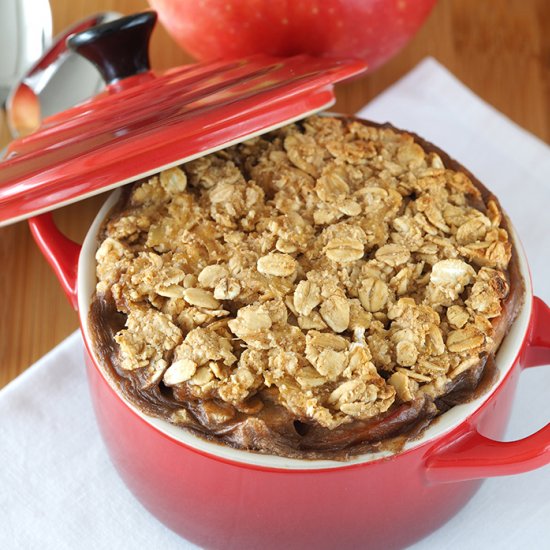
(499, 48)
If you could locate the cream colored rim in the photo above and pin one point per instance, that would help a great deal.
(505, 360)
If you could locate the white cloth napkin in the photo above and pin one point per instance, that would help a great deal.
(58, 489)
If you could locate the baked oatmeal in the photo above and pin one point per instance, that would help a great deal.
(311, 292)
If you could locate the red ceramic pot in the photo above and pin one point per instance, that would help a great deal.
(220, 497)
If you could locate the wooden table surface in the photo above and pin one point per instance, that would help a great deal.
(499, 48)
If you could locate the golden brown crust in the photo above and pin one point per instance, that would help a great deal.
(308, 294)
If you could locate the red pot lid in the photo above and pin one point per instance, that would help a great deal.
(144, 122)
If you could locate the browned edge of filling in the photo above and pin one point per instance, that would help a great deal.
(286, 436)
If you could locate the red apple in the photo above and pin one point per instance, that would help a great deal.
(373, 30)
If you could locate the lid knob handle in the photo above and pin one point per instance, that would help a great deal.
(118, 49)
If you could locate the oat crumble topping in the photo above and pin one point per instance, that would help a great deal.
(337, 263)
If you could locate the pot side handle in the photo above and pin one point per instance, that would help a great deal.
(61, 253)
(474, 456)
